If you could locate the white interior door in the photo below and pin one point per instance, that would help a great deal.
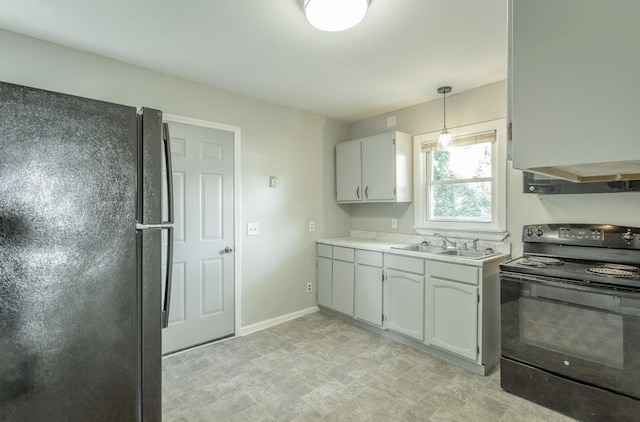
(202, 292)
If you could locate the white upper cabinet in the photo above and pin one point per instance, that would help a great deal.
(574, 69)
(349, 172)
(375, 169)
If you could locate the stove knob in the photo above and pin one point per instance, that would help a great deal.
(539, 232)
(628, 236)
(528, 232)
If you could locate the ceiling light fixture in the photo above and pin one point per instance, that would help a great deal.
(335, 15)
(444, 140)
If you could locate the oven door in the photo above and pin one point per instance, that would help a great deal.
(587, 334)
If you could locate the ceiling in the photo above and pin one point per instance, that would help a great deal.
(397, 57)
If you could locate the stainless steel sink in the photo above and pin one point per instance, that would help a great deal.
(464, 253)
(420, 248)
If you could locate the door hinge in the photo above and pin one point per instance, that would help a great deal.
(384, 317)
(509, 130)
(478, 298)
(394, 141)
(478, 350)
(394, 191)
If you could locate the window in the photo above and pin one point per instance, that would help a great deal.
(461, 188)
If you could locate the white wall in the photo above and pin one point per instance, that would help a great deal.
(294, 145)
(474, 106)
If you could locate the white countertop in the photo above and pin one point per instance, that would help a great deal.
(385, 246)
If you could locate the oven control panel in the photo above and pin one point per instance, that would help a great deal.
(579, 234)
(602, 235)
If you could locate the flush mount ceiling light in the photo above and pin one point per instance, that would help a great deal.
(335, 15)
(444, 140)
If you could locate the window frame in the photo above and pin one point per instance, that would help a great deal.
(497, 225)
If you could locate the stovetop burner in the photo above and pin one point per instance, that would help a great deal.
(540, 261)
(603, 255)
(604, 270)
(622, 267)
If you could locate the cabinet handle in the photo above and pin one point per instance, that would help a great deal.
(366, 192)
(358, 192)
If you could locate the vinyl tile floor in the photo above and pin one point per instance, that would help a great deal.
(320, 368)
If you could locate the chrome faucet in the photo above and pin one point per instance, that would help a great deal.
(474, 242)
(445, 240)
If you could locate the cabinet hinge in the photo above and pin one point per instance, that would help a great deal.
(509, 130)
(478, 298)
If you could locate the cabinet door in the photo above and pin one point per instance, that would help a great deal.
(378, 168)
(348, 172)
(574, 85)
(368, 294)
(343, 284)
(325, 266)
(452, 317)
(404, 303)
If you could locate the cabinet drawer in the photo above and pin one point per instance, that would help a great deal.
(403, 263)
(373, 259)
(325, 250)
(455, 272)
(343, 254)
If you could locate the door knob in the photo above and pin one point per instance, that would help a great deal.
(228, 249)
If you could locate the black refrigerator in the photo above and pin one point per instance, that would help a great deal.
(83, 296)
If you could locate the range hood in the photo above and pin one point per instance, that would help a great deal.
(596, 172)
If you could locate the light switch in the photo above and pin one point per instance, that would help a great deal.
(273, 182)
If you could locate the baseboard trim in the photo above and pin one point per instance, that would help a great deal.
(259, 326)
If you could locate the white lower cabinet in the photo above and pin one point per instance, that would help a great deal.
(451, 301)
(446, 308)
(368, 287)
(404, 296)
(325, 274)
(343, 280)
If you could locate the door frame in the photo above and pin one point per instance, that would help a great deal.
(237, 223)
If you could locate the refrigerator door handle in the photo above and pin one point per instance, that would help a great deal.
(166, 302)
(167, 157)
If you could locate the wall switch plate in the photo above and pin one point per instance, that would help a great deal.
(394, 223)
(253, 229)
(312, 226)
(273, 182)
(309, 288)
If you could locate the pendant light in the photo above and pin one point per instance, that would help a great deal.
(444, 140)
(335, 15)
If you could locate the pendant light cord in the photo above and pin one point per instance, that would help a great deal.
(444, 109)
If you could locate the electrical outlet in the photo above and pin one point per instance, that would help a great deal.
(394, 223)
(312, 226)
(253, 229)
(309, 289)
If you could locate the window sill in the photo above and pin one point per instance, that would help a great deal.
(461, 231)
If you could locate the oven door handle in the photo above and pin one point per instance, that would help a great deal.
(573, 285)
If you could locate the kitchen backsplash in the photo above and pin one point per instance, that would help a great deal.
(503, 247)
